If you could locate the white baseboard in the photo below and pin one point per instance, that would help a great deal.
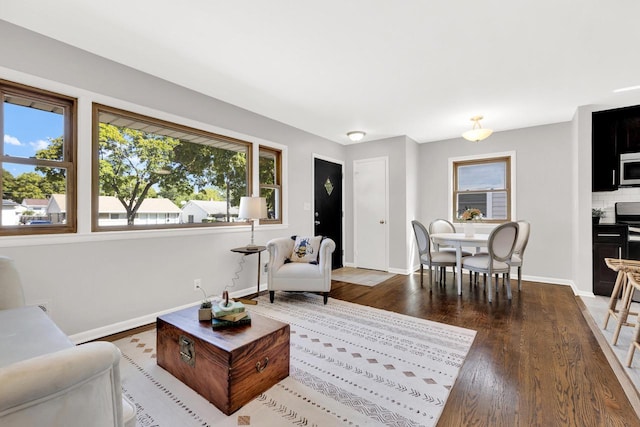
(402, 271)
(118, 327)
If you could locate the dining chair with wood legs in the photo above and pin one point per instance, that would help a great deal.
(427, 257)
(517, 258)
(444, 226)
(500, 245)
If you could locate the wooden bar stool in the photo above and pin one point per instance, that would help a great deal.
(621, 289)
(634, 283)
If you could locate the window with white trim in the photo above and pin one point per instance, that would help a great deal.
(484, 184)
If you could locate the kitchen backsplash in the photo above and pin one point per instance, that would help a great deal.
(607, 199)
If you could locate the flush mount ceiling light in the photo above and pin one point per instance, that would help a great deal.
(477, 133)
(356, 135)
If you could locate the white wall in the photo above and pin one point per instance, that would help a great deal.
(543, 190)
(94, 280)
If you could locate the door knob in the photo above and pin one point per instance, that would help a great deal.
(316, 222)
(382, 221)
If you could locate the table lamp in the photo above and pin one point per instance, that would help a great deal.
(252, 208)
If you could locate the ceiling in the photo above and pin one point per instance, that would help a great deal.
(413, 67)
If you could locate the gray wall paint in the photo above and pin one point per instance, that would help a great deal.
(543, 189)
(394, 149)
(413, 207)
(92, 281)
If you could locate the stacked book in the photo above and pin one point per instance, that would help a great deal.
(230, 315)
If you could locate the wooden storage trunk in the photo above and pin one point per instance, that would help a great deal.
(229, 367)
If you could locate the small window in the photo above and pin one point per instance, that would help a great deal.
(37, 161)
(483, 184)
(159, 173)
(270, 182)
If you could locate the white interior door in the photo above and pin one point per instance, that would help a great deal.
(370, 188)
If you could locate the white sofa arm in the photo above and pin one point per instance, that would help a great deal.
(78, 386)
(279, 250)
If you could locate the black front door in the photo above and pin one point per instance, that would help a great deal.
(328, 205)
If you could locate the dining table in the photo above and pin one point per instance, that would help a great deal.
(458, 241)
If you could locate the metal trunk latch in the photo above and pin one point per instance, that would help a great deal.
(187, 352)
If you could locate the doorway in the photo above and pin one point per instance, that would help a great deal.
(370, 224)
(327, 190)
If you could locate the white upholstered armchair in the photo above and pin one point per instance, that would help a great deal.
(284, 275)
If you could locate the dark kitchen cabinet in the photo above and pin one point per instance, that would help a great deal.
(604, 156)
(628, 130)
(609, 241)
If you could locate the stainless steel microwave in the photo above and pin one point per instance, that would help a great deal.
(630, 169)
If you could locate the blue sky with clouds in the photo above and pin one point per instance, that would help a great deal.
(484, 176)
(27, 130)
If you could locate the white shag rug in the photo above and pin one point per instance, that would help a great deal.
(350, 365)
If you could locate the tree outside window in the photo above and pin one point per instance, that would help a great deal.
(270, 177)
(161, 169)
(37, 161)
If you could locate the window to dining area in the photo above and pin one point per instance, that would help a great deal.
(483, 183)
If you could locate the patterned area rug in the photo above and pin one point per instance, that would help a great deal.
(350, 365)
(360, 276)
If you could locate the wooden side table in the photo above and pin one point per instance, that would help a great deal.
(248, 250)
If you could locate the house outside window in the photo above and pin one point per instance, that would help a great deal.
(270, 165)
(483, 183)
(146, 165)
(37, 161)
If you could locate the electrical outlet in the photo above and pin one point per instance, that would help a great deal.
(44, 305)
(197, 283)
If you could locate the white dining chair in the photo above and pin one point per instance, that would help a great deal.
(444, 226)
(500, 245)
(518, 252)
(428, 257)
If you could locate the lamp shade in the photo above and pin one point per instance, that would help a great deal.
(252, 208)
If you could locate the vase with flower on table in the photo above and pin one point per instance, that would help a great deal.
(468, 217)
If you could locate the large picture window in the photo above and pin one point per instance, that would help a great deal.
(483, 184)
(37, 160)
(150, 173)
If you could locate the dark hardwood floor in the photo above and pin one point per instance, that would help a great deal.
(534, 361)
